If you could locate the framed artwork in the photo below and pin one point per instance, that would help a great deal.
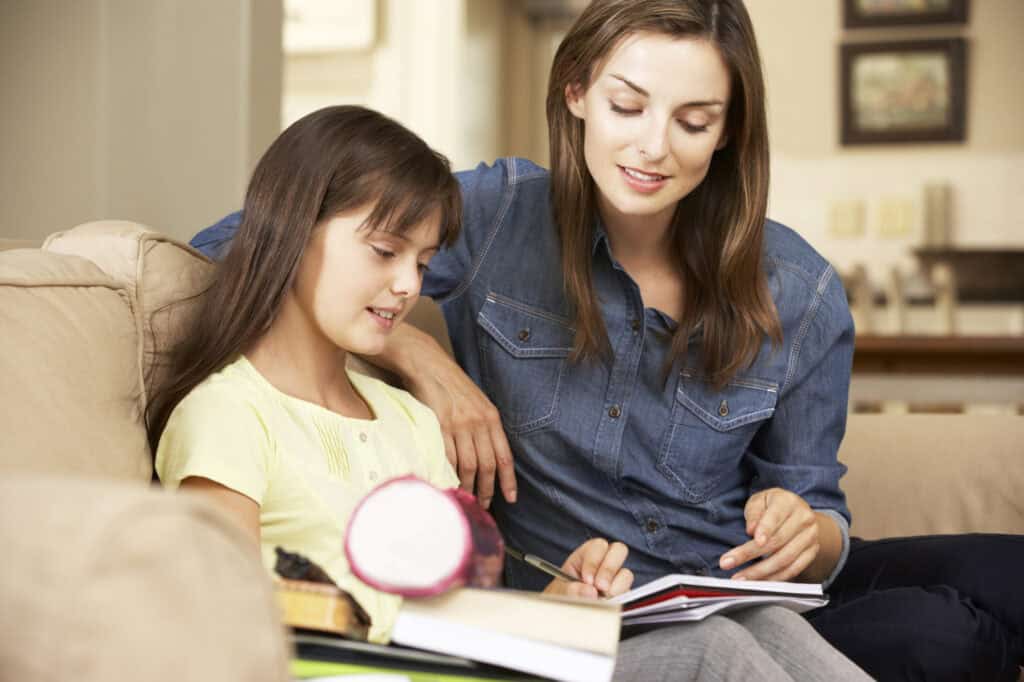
(872, 13)
(903, 91)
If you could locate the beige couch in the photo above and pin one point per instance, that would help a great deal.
(115, 579)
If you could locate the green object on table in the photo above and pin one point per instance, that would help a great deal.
(301, 670)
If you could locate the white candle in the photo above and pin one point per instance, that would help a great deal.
(938, 207)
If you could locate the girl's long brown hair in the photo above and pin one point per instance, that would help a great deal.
(717, 229)
(333, 160)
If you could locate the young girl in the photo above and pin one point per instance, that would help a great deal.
(259, 413)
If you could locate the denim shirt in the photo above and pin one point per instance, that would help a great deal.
(609, 448)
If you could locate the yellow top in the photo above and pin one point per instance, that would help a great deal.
(306, 467)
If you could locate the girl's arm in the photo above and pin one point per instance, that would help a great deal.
(243, 510)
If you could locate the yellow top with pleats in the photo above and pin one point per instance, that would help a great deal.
(305, 466)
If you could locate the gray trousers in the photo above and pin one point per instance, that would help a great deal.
(762, 643)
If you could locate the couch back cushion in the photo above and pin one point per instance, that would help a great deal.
(921, 474)
(71, 369)
(164, 278)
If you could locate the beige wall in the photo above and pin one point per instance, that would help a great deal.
(435, 66)
(810, 168)
(152, 111)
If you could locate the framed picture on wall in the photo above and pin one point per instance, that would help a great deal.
(871, 13)
(895, 92)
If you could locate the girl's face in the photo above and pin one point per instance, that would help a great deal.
(355, 285)
(654, 115)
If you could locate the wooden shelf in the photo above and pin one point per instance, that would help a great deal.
(939, 354)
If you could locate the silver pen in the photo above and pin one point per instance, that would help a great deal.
(540, 564)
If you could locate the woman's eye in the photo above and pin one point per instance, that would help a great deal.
(623, 110)
(423, 267)
(383, 253)
(691, 128)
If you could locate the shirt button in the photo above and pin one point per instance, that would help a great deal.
(635, 325)
(723, 409)
(652, 525)
(614, 412)
(362, 437)
(524, 334)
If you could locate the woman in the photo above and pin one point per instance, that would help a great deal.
(670, 369)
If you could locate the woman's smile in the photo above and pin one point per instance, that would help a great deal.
(645, 183)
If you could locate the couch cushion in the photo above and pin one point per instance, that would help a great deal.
(919, 474)
(70, 367)
(144, 586)
(162, 275)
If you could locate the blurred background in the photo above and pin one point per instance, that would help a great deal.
(157, 110)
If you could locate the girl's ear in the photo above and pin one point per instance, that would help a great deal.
(574, 100)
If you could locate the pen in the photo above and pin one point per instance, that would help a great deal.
(540, 564)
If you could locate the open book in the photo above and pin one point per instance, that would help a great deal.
(675, 598)
(561, 638)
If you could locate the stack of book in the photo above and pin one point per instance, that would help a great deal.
(464, 634)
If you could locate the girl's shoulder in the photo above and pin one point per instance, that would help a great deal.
(232, 391)
(389, 401)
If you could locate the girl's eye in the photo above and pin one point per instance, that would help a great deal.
(622, 110)
(423, 267)
(383, 253)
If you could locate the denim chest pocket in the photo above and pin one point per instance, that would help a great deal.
(711, 430)
(523, 352)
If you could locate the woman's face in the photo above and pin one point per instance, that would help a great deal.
(654, 115)
(355, 285)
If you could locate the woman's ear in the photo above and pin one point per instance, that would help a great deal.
(574, 100)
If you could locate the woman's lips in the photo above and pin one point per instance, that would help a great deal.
(645, 183)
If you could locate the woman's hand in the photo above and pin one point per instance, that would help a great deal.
(786, 534)
(474, 439)
(598, 567)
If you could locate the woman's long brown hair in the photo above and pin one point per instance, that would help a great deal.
(333, 160)
(717, 229)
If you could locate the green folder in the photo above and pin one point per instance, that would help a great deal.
(320, 655)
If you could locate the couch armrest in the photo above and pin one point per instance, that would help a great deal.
(107, 581)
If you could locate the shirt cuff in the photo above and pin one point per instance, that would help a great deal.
(844, 531)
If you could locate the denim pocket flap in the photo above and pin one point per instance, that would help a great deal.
(741, 401)
(524, 331)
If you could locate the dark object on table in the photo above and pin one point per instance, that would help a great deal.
(291, 566)
(994, 275)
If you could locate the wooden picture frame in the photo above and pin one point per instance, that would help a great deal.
(875, 13)
(896, 92)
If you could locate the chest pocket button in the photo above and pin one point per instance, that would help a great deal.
(723, 409)
(524, 334)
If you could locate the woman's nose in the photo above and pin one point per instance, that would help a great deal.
(653, 144)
